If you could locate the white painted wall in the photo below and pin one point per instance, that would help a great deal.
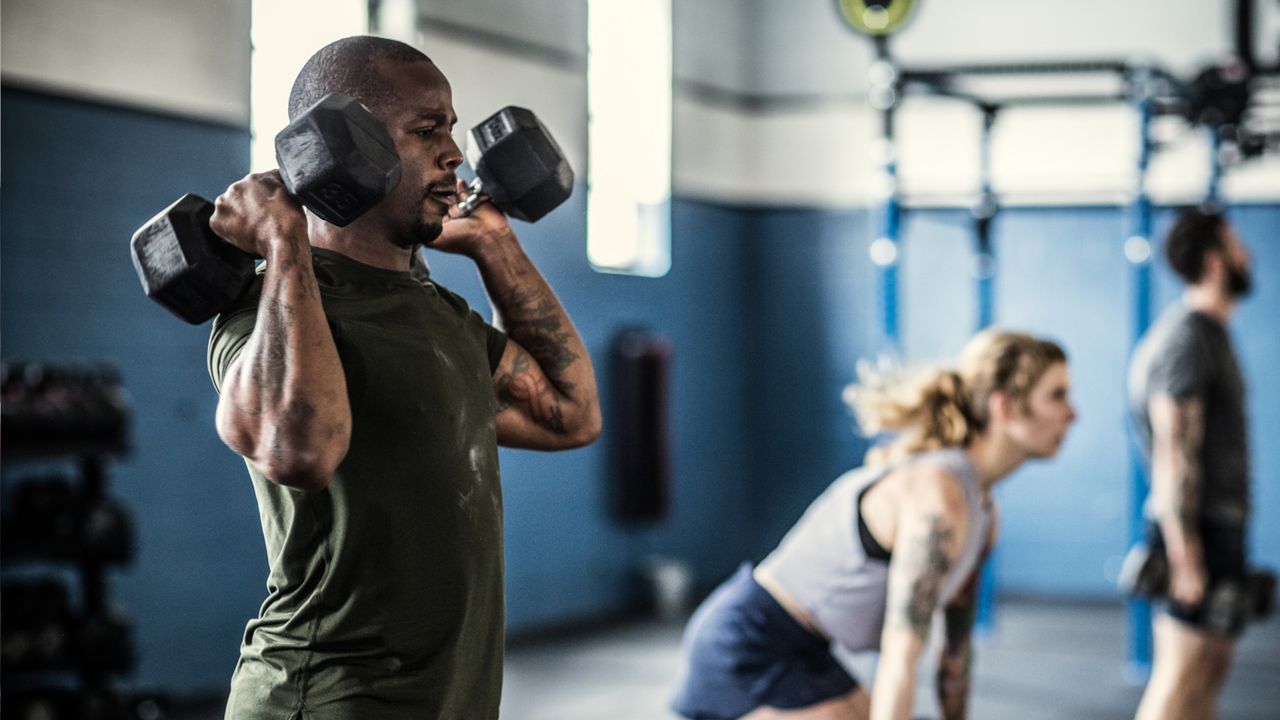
(187, 57)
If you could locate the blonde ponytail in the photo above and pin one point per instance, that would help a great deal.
(929, 409)
(940, 408)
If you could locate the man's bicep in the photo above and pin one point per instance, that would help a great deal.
(1177, 423)
(1177, 432)
(530, 413)
(514, 360)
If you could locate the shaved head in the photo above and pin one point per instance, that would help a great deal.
(351, 66)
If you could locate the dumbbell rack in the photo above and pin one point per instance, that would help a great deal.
(59, 658)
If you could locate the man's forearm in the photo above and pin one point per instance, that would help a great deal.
(1176, 478)
(284, 403)
(527, 309)
(1178, 515)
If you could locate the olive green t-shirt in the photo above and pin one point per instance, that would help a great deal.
(385, 591)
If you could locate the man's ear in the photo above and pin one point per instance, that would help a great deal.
(1215, 263)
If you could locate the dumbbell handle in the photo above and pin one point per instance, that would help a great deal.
(474, 199)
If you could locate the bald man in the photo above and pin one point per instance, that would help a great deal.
(369, 404)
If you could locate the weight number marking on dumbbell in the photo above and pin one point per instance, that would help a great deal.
(337, 197)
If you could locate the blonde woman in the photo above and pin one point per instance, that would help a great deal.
(883, 547)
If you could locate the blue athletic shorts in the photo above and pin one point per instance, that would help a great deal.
(743, 650)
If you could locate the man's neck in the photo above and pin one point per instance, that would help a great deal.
(363, 248)
(1211, 301)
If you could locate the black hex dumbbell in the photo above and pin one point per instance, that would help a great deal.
(1144, 572)
(1229, 603)
(1261, 586)
(518, 165)
(336, 158)
(188, 269)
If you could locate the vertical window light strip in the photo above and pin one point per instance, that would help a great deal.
(629, 136)
(284, 34)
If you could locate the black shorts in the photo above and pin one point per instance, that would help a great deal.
(1224, 559)
(743, 650)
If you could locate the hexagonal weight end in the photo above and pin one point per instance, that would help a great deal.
(522, 167)
(338, 159)
(184, 266)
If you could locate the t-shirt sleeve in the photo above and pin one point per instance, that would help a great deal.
(230, 333)
(231, 330)
(1184, 369)
(495, 341)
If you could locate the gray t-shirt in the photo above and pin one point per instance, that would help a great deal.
(1187, 354)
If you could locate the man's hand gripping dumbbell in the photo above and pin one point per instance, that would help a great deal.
(338, 161)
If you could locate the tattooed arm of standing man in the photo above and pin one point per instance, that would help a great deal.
(930, 532)
(545, 384)
(283, 403)
(1177, 434)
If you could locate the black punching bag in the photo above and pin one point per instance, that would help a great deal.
(641, 371)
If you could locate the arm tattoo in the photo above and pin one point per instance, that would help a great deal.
(556, 421)
(276, 318)
(269, 371)
(518, 365)
(956, 661)
(959, 622)
(535, 322)
(299, 416)
(267, 368)
(521, 363)
(1188, 434)
(927, 585)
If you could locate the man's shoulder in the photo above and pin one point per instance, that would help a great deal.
(1178, 329)
(456, 301)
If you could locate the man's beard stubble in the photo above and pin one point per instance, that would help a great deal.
(1239, 281)
(421, 233)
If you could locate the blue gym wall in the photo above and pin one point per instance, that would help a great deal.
(766, 309)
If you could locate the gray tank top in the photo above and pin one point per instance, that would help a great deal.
(822, 565)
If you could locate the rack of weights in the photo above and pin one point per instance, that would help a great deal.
(62, 646)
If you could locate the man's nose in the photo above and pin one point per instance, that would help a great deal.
(451, 157)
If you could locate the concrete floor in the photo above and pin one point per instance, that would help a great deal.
(1045, 661)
